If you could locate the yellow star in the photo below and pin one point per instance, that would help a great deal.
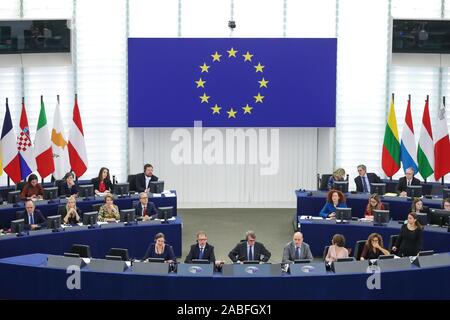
(216, 109)
(232, 53)
(204, 67)
(258, 98)
(204, 98)
(247, 56)
(247, 109)
(231, 113)
(259, 67)
(262, 83)
(216, 56)
(201, 83)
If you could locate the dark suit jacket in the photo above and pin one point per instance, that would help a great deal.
(151, 210)
(239, 252)
(208, 253)
(65, 190)
(168, 253)
(63, 212)
(140, 182)
(401, 186)
(108, 184)
(373, 178)
(38, 219)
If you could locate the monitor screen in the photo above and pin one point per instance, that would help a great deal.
(426, 253)
(127, 215)
(250, 262)
(17, 225)
(83, 250)
(344, 214)
(120, 252)
(302, 261)
(121, 188)
(71, 255)
(34, 36)
(345, 259)
(86, 190)
(341, 186)
(414, 191)
(381, 217)
(384, 257)
(158, 260)
(54, 222)
(378, 188)
(446, 193)
(157, 186)
(90, 218)
(200, 261)
(51, 193)
(116, 258)
(165, 213)
(441, 215)
(13, 196)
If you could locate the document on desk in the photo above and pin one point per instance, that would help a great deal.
(168, 195)
(156, 195)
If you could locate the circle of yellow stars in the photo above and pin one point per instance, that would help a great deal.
(230, 111)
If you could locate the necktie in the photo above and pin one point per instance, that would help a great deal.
(31, 219)
(365, 188)
(144, 211)
(250, 253)
(200, 256)
(409, 183)
(297, 253)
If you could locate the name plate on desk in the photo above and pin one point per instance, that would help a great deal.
(101, 265)
(306, 269)
(343, 267)
(394, 264)
(64, 262)
(154, 268)
(252, 270)
(195, 270)
(435, 260)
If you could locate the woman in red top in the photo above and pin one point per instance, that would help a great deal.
(374, 204)
(32, 189)
(102, 183)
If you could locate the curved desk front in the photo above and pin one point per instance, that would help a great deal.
(310, 203)
(136, 238)
(28, 277)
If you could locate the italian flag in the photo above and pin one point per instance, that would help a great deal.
(42, 145)
(390, 159)
(442, 145)
(425, 150)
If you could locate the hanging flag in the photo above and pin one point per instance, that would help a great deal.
(390, 159)
(59, 146)
(77, 147)
(42, 145)
(425, 151)
(24, 145)
(11, 162)
(408, 153)
(442, 145)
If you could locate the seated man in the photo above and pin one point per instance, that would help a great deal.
(33, 218)
(201, 250)
(143, 179)
(249, 250)
(407, 180)
(296, 249)
(145, 209)
(364, 179)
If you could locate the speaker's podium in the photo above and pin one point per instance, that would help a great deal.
(252, 270)
(195, 270)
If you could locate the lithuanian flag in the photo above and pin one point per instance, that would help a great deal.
(390, 159)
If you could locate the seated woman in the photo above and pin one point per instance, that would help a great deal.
(108, 212)
(335, 199)
(159, 249)
(68, 187)
(338, 175)
(409, 241)
(32, 189)
(374, 204)
(373, 247)
(102, 183)
(337, 250)
(70, 213)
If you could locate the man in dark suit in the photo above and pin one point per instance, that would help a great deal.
(407, 180)
(201, 250)
(145, 209)
(32, 217)
(364, 179)
(143, 179)
(296, 249)
(249, 250)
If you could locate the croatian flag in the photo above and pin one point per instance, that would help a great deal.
(408, 154)
(24, 146)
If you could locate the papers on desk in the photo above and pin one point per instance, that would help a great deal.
(102, 222)
(86, 260)
(310, 218)
(166, 191)
(170, 219)
(167, 195)
(390, 194)
(156, 195)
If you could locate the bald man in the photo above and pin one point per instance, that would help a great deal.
(296, 249)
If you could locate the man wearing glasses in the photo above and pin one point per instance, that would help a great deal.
(364, 179)
(202, 250)
(249, 250)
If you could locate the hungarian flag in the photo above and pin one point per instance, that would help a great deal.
(77, 147)
(42, 145)
(390, 159)
(24, 145)
(425, 151)
(59, 146)
(408, 143)
(10, 155)
(442, 145)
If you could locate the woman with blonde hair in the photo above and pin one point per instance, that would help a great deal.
(338, 175)
(70, 213)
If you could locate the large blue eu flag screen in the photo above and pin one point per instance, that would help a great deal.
(227, 82)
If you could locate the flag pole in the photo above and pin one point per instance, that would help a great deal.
(57, 98)
(8, 182)
(443, 103)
